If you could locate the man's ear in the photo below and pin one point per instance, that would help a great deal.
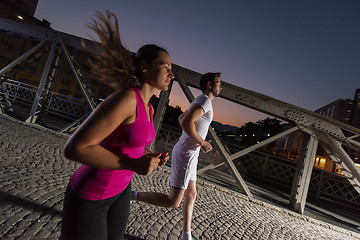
(208, 85)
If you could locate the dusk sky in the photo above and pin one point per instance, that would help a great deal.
(306, 53)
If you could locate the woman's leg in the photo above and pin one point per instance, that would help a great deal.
(118, 215)
(83, 219)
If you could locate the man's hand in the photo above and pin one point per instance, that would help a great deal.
(145, 164)
(206, 146)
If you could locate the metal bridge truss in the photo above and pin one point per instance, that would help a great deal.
(22, 94)
(46, 37)
(265, 168)
(318, 129)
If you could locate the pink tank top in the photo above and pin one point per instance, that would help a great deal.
(126, 140)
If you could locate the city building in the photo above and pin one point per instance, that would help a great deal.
(21, 11)
(355, 113)
(344, 110)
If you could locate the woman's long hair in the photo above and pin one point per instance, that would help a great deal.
(113, 64)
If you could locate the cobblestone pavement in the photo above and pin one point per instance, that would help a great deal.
(34, 174)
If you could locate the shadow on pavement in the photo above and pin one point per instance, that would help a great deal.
(28, 204)
(129, 237)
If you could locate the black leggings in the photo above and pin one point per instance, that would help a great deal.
(101, 219)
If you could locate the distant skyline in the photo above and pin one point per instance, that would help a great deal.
(306, 53)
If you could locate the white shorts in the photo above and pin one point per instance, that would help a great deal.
(183, 166)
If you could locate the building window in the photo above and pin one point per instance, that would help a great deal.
(328, 112)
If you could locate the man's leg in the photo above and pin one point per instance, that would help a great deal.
(188, 207)
(160, 199)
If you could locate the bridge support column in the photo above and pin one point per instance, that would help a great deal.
(33, 113)
(160, 113)
(303, 174)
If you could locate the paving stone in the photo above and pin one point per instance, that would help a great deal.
(23, 238)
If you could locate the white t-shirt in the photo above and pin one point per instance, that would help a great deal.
(201, 125)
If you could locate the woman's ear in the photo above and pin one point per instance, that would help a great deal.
(144, 66)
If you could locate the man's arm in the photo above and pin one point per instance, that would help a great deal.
(181, 116)
(187, 122)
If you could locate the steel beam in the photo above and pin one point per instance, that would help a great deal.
(33, 116)
(306, 120)
(263, 143)
(40, 33)
(160, 113)
(69, 129)
(341, 159)
(303, 173)
(21, 58)
(89, 95)
(250, 149)
(279, 109)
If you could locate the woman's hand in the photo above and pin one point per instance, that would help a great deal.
(145, 164)
(163, 159)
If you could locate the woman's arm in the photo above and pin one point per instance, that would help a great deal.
(83, 146)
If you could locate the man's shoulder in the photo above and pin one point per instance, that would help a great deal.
(204, 102)
(202, 98)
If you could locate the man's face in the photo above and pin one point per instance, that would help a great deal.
(216, 88)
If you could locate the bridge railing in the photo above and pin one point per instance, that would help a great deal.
(269, 170)
(59, 105)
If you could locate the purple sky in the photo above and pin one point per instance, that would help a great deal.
(306, 52)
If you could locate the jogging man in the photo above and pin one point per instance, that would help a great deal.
(195, 122)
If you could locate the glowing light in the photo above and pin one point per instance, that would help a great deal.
(320, 162)
(20, 17)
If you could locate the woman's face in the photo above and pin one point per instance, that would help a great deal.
(159, 74)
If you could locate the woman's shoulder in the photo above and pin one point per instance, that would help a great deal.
(125, 94)
(120, 98)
